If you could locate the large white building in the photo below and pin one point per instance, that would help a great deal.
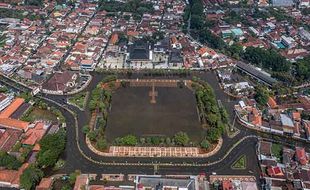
(5, 100)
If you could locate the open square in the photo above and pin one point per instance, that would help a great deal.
(135, 112)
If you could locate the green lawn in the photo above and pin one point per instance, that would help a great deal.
(40, 114)
(78, 99)
(239, 164)
(276, 150)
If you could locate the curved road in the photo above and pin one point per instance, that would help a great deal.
(79, 156)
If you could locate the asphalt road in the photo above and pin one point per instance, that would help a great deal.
(74, 159)
(89, 162)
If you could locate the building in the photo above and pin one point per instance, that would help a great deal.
(282, 3)
(140, 54)
(81, 182)
(287, 124)
(301, 156)
(5, 116)
(256, 73)
(289, 42)
(10, 178)
(237, 32)
(161, 182)
(60, 82)
(5, 100)
(45, 184)
(304, 34)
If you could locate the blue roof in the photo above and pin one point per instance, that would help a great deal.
(237, 31)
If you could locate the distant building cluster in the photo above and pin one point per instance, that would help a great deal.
(159, 182)
(291, 40)
(283, 119)
(283, 167)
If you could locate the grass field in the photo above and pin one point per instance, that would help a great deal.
(240, 164)
(41, 114)
(174, 111)
(276, 150)
(78, 99)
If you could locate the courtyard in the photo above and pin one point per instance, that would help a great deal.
(133, 111)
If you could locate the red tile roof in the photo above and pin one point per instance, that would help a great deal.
(275, 171)
(45, 184)
(34, 135)
(114, 38)
(12, 176)
(272, 103)
(12, 108)
(14, 124)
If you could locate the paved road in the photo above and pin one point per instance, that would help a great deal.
(75, 160)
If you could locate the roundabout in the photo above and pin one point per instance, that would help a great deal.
(79, 156)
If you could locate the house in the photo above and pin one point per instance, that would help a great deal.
(114, 39)
(60, 82)
(81, 182)
(304, 3)
(207, 52)
(175, 43)
(287, 124)
(255, 117)
(8, 138)
(45, 184)
(306, 124)
(227, 185)
(272, 103)
(10, 178)
(301, 156)
(264, 150)
(275, 171)
(34, 134)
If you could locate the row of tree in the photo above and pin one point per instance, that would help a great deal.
(100, 101)
(179, 139)
(216, 117)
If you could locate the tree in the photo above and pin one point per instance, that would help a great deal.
(66, 187)
(181, 138)
(73, 175)
(155, 140)
(262, 95)
(8, 161)
(213, 134)
(129, 140)
(102, 144)
(303, 69)
(85, 129)
(52, 145)
(92, 135)
(205, 144)
(30, 177)
(224, 115)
